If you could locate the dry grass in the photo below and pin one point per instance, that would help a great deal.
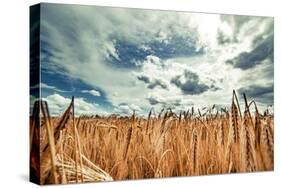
(87, 149)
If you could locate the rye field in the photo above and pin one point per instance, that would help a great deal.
(70, 149)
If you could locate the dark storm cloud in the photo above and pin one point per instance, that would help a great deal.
(262, 94)
(152, 83)
(190, 83)
(262, 51)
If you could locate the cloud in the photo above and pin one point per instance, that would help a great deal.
(248, 27)
(151, 84)
(58, 104)
(153, 59)
(159, 83)
(127, 109)
(110, 50)
(144, 78)
(162, 37)
(153, 101)
(92, 92)
(189, 83)
(46, 86)
(246, 60)
(260, 93)
(145, 47)
(166, 102)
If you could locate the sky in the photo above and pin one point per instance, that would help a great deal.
(119, 60)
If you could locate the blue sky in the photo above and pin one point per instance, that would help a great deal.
(117, 60)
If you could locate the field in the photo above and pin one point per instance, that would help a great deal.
(166, 144)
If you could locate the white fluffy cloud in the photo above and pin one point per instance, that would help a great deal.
(92, 92)
(127, 109)
(212, 74)
(58, 104)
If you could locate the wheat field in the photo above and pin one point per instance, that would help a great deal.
(71, 149)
